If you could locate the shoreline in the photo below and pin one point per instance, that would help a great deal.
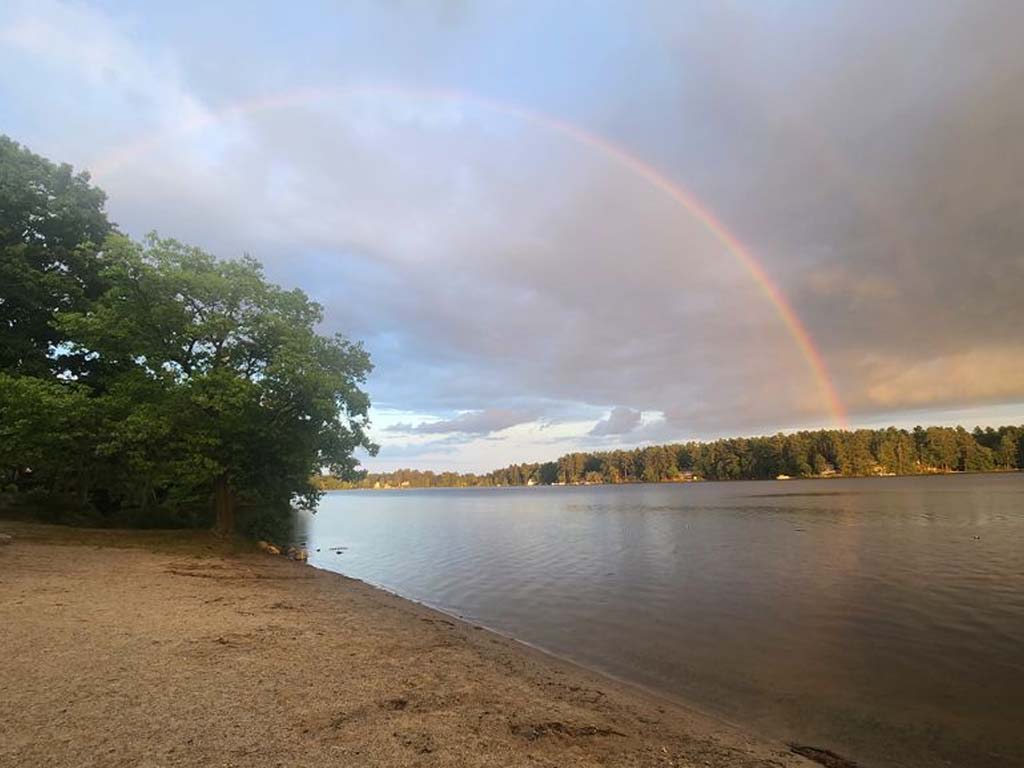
(166, 649)
(638, 689)
(695, 481)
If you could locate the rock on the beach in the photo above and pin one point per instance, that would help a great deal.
(267, 547)
(6, 538)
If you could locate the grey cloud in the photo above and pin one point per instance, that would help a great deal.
(620, 421)
(483, 422)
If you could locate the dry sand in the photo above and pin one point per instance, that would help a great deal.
(134, 649)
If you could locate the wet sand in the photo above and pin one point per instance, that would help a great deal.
(169, 649)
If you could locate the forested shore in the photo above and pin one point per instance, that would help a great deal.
(820, 453)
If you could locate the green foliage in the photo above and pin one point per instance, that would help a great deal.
(51, 223)
(169, 378)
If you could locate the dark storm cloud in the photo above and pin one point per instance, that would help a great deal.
(874, 165)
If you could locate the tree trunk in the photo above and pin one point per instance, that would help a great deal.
(224, 506)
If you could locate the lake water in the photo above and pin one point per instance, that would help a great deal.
(882, 618)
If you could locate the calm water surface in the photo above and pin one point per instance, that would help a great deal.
(882, 618)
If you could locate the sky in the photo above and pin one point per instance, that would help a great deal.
(562, 226)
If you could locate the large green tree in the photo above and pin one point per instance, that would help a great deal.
(51, 223)
(151, 383)
(249, 399)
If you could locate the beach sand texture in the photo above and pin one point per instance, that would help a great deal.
(166, 649)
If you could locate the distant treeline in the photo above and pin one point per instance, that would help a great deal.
(821, 453)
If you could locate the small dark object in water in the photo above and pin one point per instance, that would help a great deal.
(825, 757)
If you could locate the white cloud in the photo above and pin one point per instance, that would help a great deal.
(94, 51)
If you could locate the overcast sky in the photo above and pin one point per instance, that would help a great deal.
(441, 177)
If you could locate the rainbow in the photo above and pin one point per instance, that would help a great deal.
(655, 178)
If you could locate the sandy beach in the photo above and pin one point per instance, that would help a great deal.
(168, 649)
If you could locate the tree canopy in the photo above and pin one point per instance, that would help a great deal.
(51, 223)
(154, 384)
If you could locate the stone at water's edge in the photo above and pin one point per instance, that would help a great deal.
(6, 538)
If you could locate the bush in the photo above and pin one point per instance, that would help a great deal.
(260, 522)
(61, 509)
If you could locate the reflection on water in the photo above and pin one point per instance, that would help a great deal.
(883, 618)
